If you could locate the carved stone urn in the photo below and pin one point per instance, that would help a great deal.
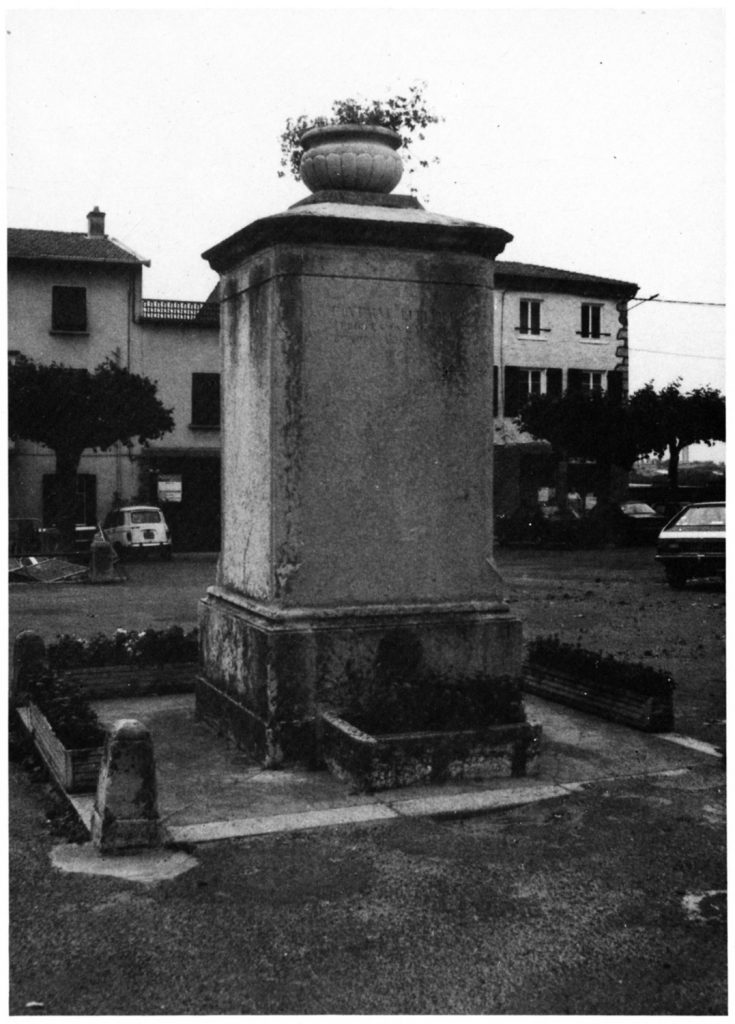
(355, 157)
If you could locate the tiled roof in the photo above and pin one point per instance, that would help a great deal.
(507, 270)
(30, 244)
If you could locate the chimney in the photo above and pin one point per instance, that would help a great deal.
(96, 224)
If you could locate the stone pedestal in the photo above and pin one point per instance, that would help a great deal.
(125, 813)
(357, 464)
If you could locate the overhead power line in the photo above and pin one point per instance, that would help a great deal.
(684, 355)
(678, 302)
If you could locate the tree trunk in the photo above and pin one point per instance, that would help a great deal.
(562, 483)
(673, 471)
(67, 464)
(604, 484)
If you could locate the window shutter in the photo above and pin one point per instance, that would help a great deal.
(495, 390)
(535, 318)
(553, 383)
(615, 385)
(595, 324)
(511, 403)
(585, 321)
(68, 308)
(575, 380)
(205, 399)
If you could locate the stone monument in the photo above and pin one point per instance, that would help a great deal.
(357, 420)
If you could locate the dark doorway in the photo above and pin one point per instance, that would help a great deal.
(194, 519)
(86, 508)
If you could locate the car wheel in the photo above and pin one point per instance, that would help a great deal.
(166, 553)
(120, 551)
(676, 579)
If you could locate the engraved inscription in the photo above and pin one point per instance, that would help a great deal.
(355, 320)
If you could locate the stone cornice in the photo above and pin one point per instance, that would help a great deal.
(352, 224)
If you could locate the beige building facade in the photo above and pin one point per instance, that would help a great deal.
(77, 298)
(555, 330)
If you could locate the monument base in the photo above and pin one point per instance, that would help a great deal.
(266, 672)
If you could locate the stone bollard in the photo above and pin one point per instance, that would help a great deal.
(125, 815)
(101, 561)
(29, 661)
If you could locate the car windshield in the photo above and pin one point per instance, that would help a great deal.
(638, 508)
(146, 515)
(705, 515)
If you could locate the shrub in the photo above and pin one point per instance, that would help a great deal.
(67, 711)
(408, 115)
(124, 647)
(551, 653)
(428, 702)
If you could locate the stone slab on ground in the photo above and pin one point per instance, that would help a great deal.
(208, 789)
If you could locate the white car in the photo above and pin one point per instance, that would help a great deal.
(139, 528)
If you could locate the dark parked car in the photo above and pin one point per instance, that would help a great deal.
(540, 525)
(643, 523)
(632, 522)
(692, 544)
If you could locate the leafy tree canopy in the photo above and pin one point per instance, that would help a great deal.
(676, 419)
(588, 425)
(673, 420)
(72, 410)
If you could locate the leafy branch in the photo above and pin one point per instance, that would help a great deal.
(407, 115)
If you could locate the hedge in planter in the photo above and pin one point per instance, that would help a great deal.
(628, 692)
(397, 733)
(129, 662)
(65, 730)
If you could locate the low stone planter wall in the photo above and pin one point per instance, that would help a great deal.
(642, 711)
(394, 760)
(133, 680)
(76, 771)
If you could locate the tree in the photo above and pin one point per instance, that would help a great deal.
(72, 410)
(590, 425)
(673, 420)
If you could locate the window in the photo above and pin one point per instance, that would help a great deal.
(587, 380)
(169, 487)
(205, 400)
(610, 382)
(529, 312)
(86, 499)
(522, 383)
(68, 309)
(529, 383)
(591, 321)
(145, 516)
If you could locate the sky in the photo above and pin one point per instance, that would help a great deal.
(595, 136)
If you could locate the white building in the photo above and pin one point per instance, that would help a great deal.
(554, 330)
(76, 298)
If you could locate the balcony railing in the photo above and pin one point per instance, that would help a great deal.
(178, 311)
